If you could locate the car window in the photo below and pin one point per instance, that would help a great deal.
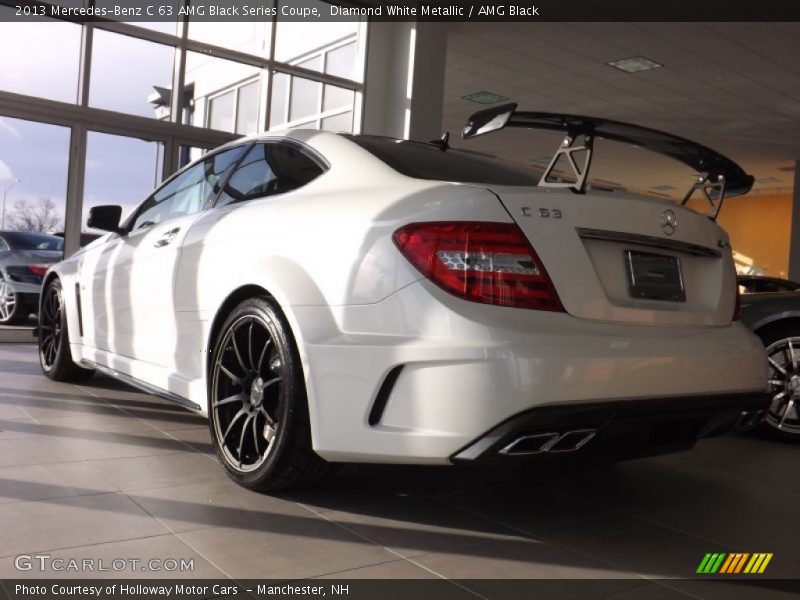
(270, 168)
(190, 192)
(29, 240)
(3, 245)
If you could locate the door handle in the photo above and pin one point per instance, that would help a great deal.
(166, 238)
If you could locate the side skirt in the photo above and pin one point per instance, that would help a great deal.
(142, 386)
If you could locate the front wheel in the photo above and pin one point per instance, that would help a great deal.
(55, 356)
(258, 409)
(783, 352)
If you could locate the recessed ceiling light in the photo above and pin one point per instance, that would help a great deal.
(635, 64)
(484, 97)
(768, 180)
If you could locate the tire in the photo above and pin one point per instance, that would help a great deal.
(12, 310)
(783, 349)
(55, 356)
(258, 408)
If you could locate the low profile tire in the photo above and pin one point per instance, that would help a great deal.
(55, 356)
(783, 352)
(12, 310)
(258, 409)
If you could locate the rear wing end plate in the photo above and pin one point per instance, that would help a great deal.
(718, 176)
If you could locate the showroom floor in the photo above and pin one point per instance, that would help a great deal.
(98, 470)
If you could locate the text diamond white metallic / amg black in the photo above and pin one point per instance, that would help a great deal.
(329, 298)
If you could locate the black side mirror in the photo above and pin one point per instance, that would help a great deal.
(105, 217)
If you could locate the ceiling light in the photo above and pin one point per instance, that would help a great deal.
(768, 180)
(484, 97)
(635, 64)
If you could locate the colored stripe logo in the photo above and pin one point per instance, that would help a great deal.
(734, 563)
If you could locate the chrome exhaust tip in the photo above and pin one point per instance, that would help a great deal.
(530, 444)
(552, 442)
(572, 441)
(750, 418)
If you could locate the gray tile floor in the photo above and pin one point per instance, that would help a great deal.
(102, 471)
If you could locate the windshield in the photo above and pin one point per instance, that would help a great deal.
(19, 240)
(428, 161)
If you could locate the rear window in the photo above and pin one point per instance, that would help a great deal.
(427, 161)
(33, 241)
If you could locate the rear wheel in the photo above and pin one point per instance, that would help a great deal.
(258, 409)
(783, 352)
(55, 356)
(12, 309)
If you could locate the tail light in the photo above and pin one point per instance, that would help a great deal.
(38, 269)
(491, 263)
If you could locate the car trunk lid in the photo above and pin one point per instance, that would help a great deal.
(622, 258)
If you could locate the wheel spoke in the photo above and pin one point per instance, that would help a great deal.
(250, 344)
(776, 366)
(260, 365)
(777, 382)
(270, 420)
(786, 409)
(255, 436)
(236, 351)
(233, 422)
(792, 357)
(235, 398)
(241, 439)
(237, 380)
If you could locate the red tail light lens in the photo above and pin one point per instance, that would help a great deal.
(491, 263)
(38, 269)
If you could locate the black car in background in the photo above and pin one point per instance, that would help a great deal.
(754, 284)
(775, 318)
(24, 259)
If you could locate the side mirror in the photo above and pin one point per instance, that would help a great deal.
(105, 217)
(488, 120)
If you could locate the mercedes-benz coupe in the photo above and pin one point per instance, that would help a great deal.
(330, 298)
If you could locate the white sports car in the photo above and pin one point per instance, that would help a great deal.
(329, 298)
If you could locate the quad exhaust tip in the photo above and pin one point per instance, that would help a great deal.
(551, 442)
(750, 418)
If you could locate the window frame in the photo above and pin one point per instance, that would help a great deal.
(127, 225)
(312, 153)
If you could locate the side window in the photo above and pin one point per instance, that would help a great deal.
(270, 168)
(190, 192)
(3, 245)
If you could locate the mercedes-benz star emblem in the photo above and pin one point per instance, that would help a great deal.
(669, 223)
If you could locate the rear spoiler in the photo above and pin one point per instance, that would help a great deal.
(718, 175)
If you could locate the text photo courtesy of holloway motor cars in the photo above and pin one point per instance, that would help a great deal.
(455, 299)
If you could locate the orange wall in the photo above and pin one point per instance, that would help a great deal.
(759, 226)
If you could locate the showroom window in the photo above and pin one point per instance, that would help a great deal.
(34, 159)
(232, 78)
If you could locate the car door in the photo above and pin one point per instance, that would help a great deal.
(132, 290)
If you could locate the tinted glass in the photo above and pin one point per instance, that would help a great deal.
(269, 169)
(190, 192)
(426, 161)
(33, 241)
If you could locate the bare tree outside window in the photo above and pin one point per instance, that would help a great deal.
(40, 215)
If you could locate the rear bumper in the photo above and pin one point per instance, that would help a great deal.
(616, 430)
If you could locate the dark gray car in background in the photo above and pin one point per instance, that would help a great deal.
(24, 259)
(775, 318)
